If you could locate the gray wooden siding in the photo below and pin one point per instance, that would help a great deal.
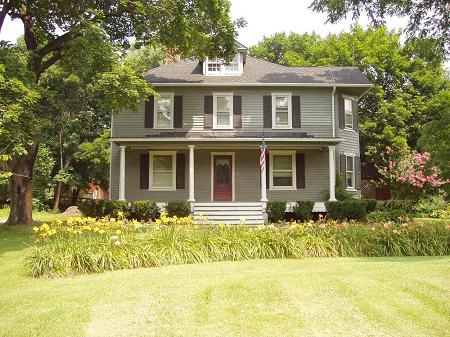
(315, 105)
(247, 178)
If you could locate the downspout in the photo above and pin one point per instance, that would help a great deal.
(332, 105)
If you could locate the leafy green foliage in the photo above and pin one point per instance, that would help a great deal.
(178, 208)
(144, 58)
(371, 204)
(93, 246)
(276, 210)
(426, 18)
(435, 137)
(409, 79)
(349, 209)
(144, 210)
(42, 187)
(303, 210)
(395, 215)
(431, 203)
(393, 204)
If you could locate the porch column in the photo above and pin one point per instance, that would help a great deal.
(263, 182)
(122, 173)
(191, 173)
(332, 168)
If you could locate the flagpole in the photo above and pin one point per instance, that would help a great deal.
(262, 163)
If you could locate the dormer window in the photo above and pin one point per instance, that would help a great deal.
(218, 67)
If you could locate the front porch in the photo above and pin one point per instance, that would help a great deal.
(217, 176)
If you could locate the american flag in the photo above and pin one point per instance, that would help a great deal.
(262, 156)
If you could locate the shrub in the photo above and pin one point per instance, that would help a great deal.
(395, 215)
(178, 208)
(144, 210)
(430, 204)
(89, 208)
(389, 205)
(340, 192)
(86, 245)
(371, 204)
(303, 210)
(116, 207)
(38, 205)
(275, 210)
(350, 209)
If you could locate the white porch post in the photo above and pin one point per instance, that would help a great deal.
(263, 184)
(191, 173)
(122, 173)
(332, 168)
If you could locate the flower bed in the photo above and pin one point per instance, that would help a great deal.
(87, 245)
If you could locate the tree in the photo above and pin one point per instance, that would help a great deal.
(191, 28)
(406, 77)
(144, 58)
(435, 136)
(428, 18)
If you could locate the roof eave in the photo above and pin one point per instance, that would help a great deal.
(258, 84)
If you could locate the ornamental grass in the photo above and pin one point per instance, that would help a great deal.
(89, 245)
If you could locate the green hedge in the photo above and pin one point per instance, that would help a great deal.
(144, 210)
(349, 209)
(178, 208)
(139, 210)
(395, 215)
(303, 210)
(276, 210)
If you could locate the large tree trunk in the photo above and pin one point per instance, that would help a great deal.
(21, 188)
(57, 196)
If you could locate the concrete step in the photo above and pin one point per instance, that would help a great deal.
(229, 212)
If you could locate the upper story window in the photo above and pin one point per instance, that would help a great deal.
(164, 111)
(281, 111)
(219, 67)
(348, 109)
(223, 111)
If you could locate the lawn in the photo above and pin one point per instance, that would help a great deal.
(310, 297)
(37, 216)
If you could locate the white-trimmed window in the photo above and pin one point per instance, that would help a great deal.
(282, 170)
(350, 171)
(223, 110)
(218, 67)
(163, 116)
(281, 111)
(348, 110)
(162, 170)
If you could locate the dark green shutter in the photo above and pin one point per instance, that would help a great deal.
(237, 112)
(296, 115)
(300, 169)
(208, 112)
(178, 112)
(181, 171)
(267, 111)
(149, 112)
(144, 170)
(357, 173)
(341, 110)
(343, 169)
(355, 108)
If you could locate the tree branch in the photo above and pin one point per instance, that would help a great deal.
(7, 5)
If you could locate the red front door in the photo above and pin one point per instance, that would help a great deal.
(223, 185)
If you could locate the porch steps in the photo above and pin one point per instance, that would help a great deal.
(249, 213)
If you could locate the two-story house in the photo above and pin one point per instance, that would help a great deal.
(200, 140)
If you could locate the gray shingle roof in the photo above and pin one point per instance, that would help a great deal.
(256, 71)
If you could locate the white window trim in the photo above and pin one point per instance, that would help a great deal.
(174, 169)
(350, 188)
(232, 154)
(350, 128)
(222, 127)
(294, 171)
(222, 71)
(289, 96)
(155, 114)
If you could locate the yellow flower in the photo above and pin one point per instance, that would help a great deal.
(36, 229)
(120, 214)
(101, 231)
(118, 232)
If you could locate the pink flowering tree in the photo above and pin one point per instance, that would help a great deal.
(408, 175)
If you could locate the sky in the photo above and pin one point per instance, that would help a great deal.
(264, 18)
